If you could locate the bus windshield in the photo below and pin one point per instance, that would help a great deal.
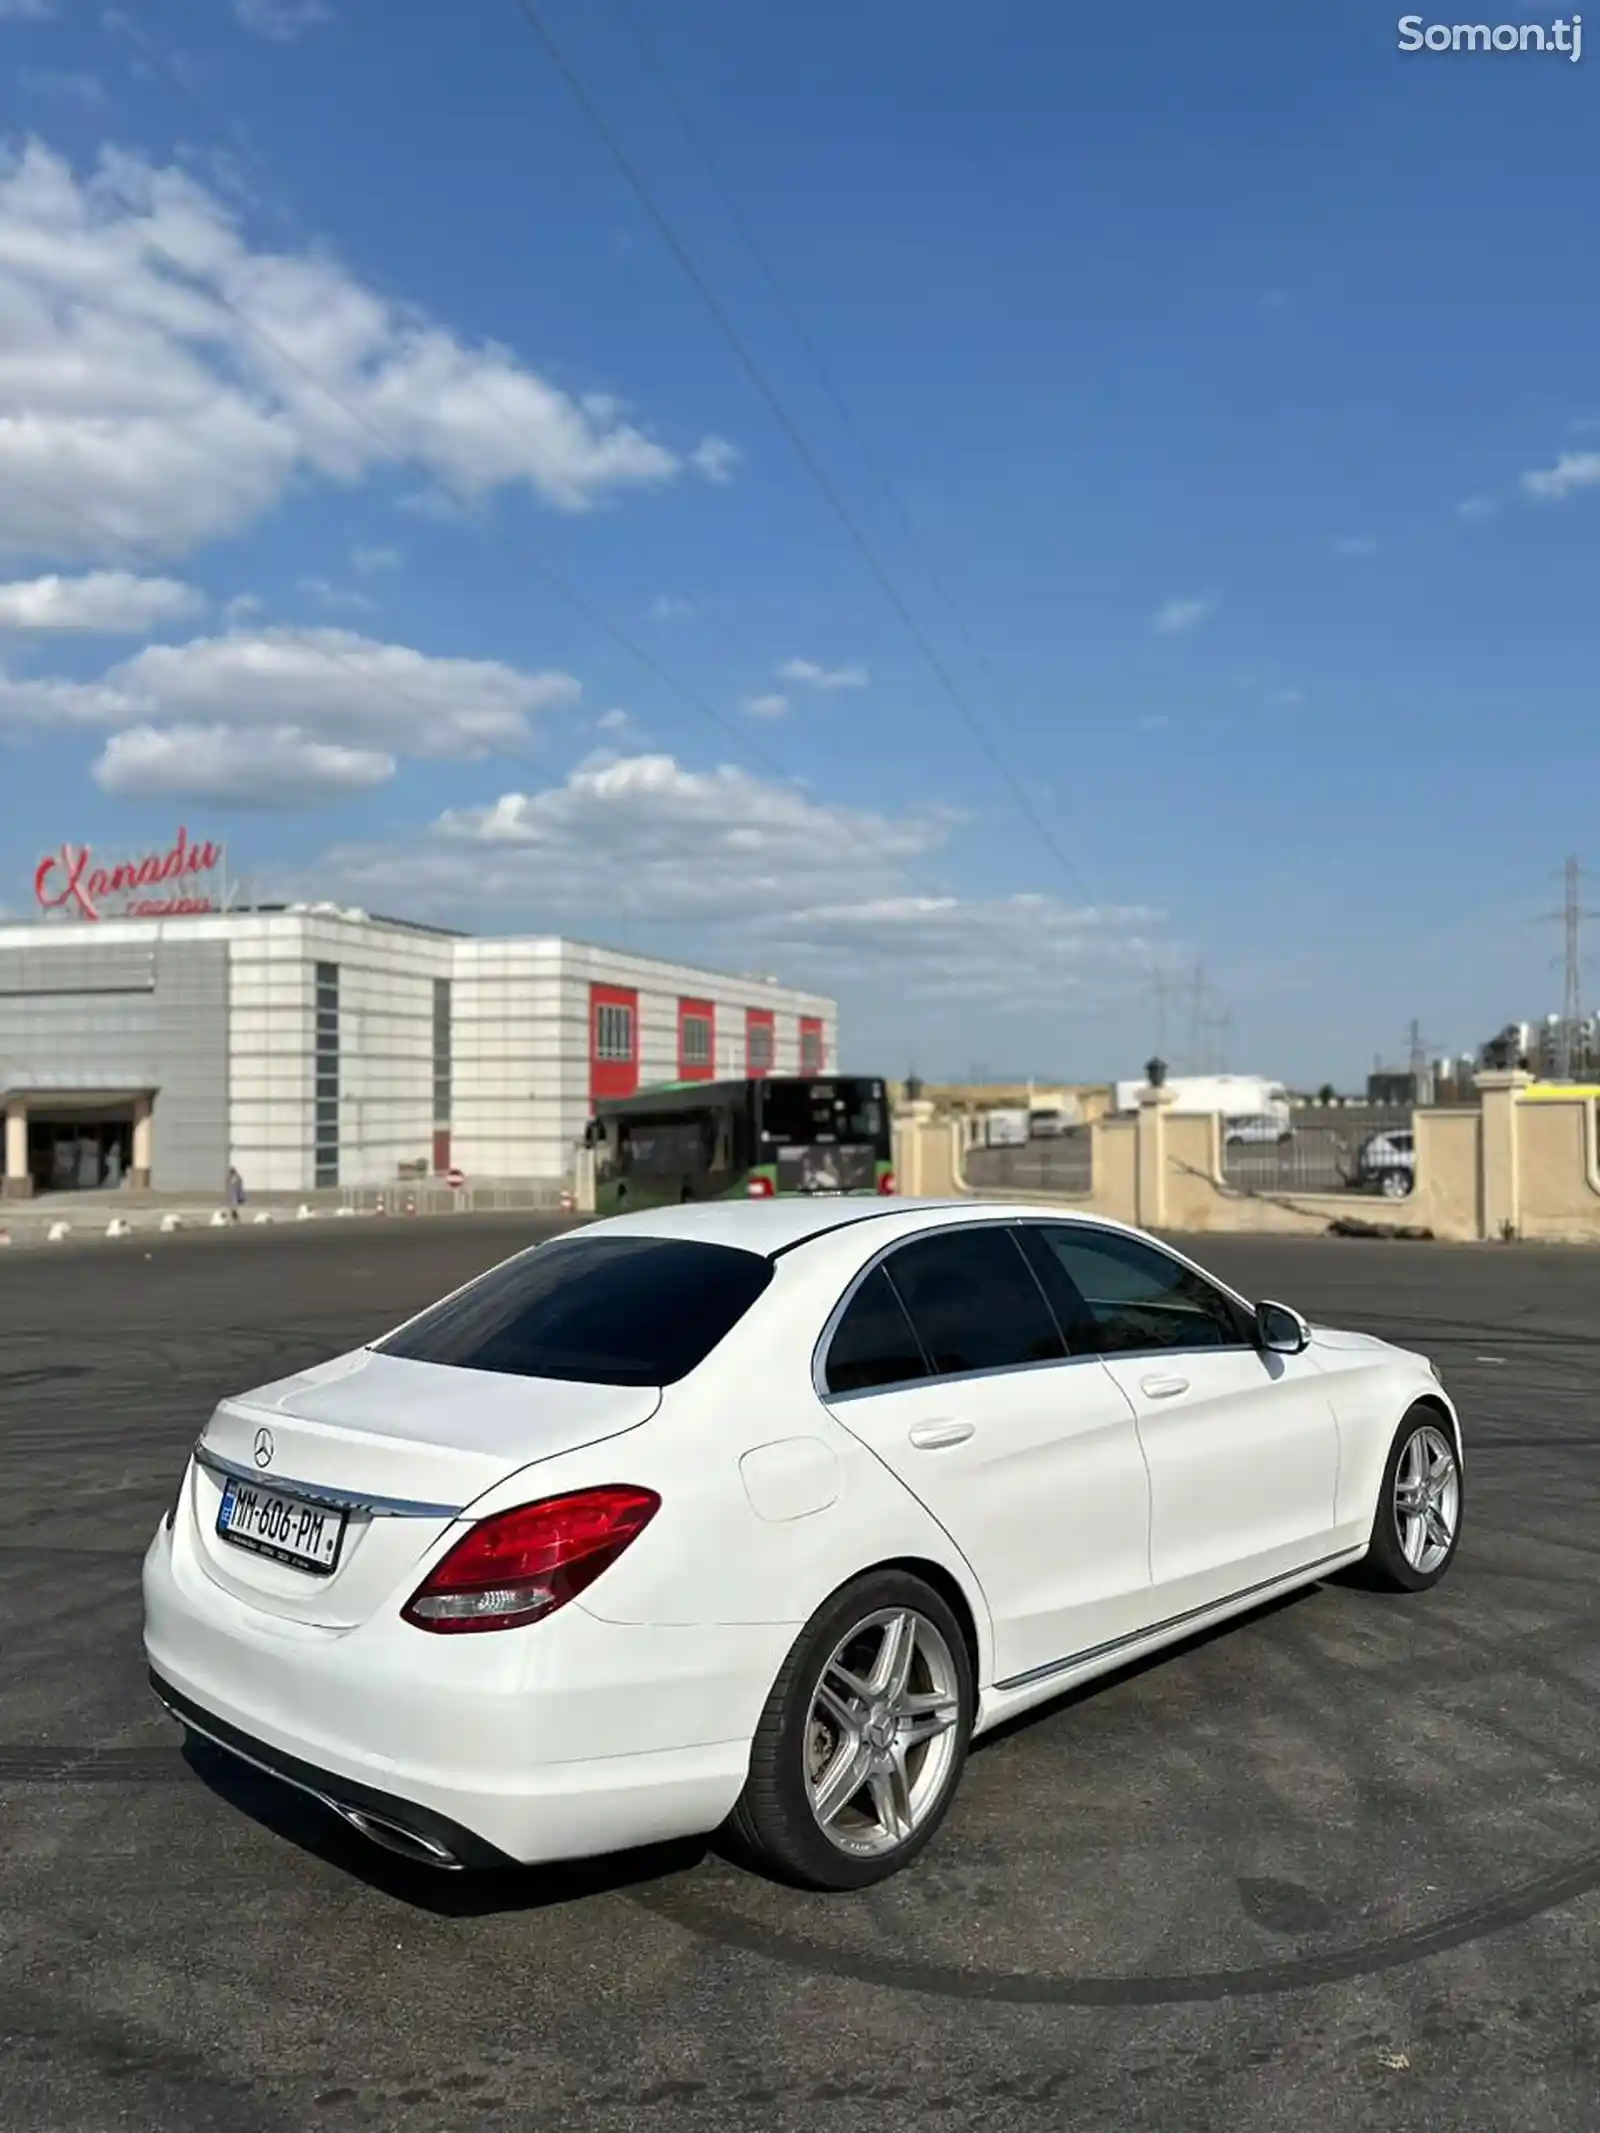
(807, 1114)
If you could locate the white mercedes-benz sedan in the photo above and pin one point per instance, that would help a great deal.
(752, 1515)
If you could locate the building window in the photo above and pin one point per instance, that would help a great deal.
(697, 1040)
(441, 1051)
(810, 1048)
(758, 1047)
(325, 1140)
(613, 1032)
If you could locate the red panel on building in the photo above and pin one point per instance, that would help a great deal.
(813, 1057)
(441, 1150)
(760, 1042)
(613, 1040)
(697, 1040)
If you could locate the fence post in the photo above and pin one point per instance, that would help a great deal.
(1150, 1159)
(1499, 1173)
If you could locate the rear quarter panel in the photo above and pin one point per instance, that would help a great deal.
(710, 1556)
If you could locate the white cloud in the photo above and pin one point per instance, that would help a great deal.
(272, 766)
(715, 460)
(326, 684)
(667, 607)
(1571, 472)
(809, 675)
(330, 595)
(1355, 544)
(242, 606)
(111, 602)
(614, 721)
(1173, 617)
(1477, 510)
(371, 562)
(27, 10)
(772, 706)
(282, 20)
(751, 874)
(167, 404)
(1289, 699)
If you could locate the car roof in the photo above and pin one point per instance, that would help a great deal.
(778, 1225)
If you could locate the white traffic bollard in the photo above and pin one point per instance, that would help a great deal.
(169, 1223)
(116, 1227)
(303, 1213)
(58, 1233)
(221, 1220)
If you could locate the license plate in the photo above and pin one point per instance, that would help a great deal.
(286, 1528)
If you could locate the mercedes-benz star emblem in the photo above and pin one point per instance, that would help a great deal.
(264, 1447)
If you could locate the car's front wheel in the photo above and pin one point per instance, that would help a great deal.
(862, 1742)
(1416, 1527)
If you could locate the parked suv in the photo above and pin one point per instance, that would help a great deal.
(1388, 1162)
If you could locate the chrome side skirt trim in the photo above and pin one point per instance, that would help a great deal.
(334, 1499)
(1038, 1674)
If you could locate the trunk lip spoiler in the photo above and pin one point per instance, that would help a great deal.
(318, 1492)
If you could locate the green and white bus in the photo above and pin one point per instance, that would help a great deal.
(715, 1140)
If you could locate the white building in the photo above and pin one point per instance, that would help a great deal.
(309, 1046)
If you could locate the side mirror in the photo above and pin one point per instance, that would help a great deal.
(1280, 1330)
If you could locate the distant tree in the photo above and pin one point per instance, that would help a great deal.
(1326, 1093)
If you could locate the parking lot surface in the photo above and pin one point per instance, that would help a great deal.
(1335, 1866)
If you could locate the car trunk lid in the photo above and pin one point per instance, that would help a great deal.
(396, 1450)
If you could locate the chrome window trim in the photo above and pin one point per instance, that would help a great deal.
(1011, 1221)
(330, 1499)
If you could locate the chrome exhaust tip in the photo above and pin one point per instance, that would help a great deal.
(394, 1837)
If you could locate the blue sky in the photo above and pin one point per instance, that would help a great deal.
(1228, 387)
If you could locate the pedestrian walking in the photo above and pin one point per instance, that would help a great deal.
(235, 1192)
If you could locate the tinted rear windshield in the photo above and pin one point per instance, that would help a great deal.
(598, 1310)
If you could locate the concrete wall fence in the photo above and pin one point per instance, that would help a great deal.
(1504, 1168)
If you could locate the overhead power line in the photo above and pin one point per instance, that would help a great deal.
(669, 236)
(650, 54)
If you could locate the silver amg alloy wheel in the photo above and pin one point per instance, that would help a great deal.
(880, 1737)
(1427, 1499)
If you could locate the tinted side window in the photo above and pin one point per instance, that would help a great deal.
(973, 1302)
(1138, 1297)
(600, 1310)
(873, 1344)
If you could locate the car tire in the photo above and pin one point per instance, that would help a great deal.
(1395, 1562)
(799, 1819)
(1395, 1184)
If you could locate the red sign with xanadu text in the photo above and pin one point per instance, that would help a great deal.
(167, 884)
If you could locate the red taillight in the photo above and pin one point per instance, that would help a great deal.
(886, 1182)
(759, 1188)
(519, 1566)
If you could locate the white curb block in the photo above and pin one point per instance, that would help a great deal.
(305, 1214)
(264, 1216)
(169, 1223)
(220, 1221)
(58, 1233)
(116, 1227)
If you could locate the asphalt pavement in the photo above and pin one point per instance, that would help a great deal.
(1334, 1867)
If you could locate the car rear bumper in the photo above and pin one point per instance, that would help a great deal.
(571, 1739)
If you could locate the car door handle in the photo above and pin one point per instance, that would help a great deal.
(1163, 1388)
(936, 1436)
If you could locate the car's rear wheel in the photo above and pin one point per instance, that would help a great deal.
(1395, 1184)
(1417, 1525)
(862, 1742)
